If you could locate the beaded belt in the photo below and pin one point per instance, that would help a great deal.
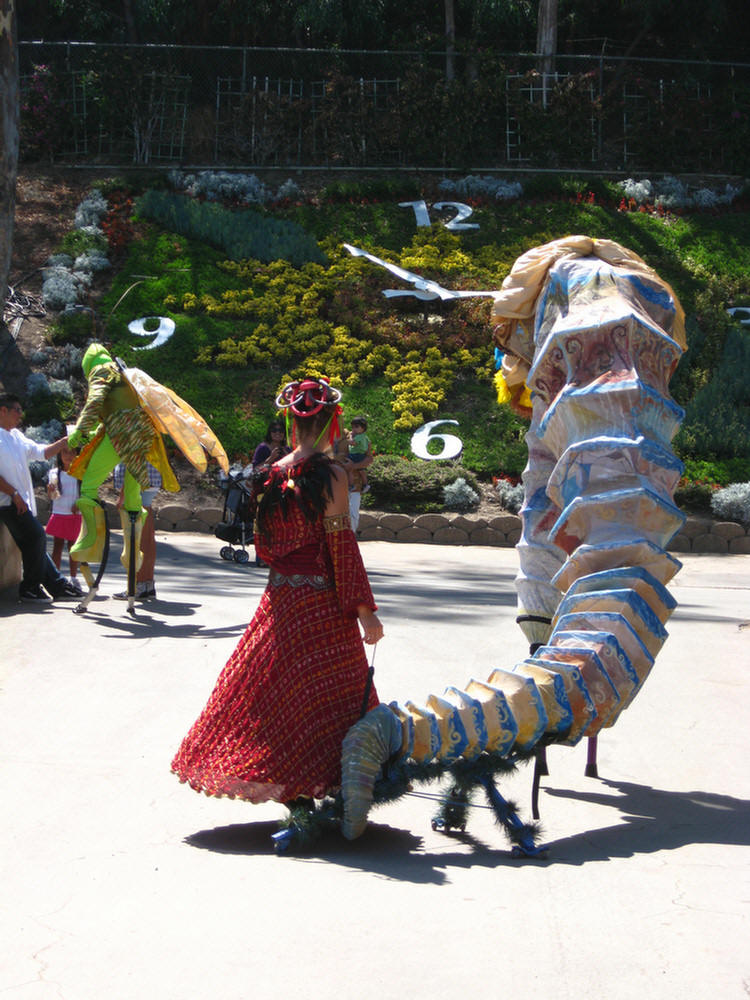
(316, 581)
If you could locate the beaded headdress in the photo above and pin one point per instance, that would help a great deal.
(306, 397)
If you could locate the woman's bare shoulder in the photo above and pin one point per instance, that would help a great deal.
(339, 503)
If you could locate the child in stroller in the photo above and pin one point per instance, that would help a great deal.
(236, 526)
(239, 503)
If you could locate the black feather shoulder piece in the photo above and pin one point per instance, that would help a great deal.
(307, 484)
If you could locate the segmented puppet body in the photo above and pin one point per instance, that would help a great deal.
(595, 335)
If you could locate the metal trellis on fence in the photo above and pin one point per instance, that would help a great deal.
(248, 107)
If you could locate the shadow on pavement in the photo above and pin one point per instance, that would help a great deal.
(650, 820)
(144, 625)
(653, 820)
(382, 850)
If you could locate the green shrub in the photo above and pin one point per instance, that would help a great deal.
(717, 420)
(240, 234)
(549, 186)
(378, 189)
(73, 328)
(41, 407)
(78, 241)
(717, 471)
(694, 497)
(414, 486)
(132, 183)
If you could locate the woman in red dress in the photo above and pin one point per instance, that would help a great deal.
(274, 724)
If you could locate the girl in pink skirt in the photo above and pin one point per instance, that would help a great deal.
(65, 521)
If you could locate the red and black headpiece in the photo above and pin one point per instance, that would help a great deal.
(306, 397)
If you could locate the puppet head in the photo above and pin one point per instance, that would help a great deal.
(95, 356)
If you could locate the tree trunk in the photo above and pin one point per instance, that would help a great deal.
(546, 35)
(8, 137)
(130, 26)
(450, 41)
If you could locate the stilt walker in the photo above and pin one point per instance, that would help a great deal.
(125, 415)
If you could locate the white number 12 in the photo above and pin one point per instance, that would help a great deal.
(422, 215)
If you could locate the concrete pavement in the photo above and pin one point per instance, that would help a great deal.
(119, 882)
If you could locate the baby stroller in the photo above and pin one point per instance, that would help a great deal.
(236, 526)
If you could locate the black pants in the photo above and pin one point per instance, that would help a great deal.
(30, 537)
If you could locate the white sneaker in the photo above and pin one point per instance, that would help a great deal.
(140, 595)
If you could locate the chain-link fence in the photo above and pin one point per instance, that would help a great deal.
(252, 108)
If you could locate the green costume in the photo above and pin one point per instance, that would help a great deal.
(124, 419)
(117, 429)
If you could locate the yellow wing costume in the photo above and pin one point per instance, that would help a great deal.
(171, 415)
(123, 420)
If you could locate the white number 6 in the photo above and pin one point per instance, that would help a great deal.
(452, 446)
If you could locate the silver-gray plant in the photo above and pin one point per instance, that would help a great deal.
(474, 186)
(90, 211)
(510, 496)
(59, 288)
(459, 496)
(732, 503)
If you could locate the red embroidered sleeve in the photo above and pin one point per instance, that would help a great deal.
(350, 577)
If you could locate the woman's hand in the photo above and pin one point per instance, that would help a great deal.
(371, 626)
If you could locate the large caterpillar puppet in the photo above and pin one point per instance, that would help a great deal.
(591, 336)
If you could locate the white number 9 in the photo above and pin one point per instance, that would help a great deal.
(452, 446)
(161, 333)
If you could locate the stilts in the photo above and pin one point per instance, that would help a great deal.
(132, 526)
(98, 550)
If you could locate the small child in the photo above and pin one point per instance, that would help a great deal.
(359, 446)
(65, 522)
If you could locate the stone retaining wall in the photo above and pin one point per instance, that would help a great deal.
(702, 534)
(698, 534)
(10, 560)
(440, 529)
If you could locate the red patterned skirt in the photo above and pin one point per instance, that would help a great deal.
(274, 724)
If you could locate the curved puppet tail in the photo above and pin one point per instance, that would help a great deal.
(598, 342)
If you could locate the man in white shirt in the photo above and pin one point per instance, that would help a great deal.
(18, 505)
